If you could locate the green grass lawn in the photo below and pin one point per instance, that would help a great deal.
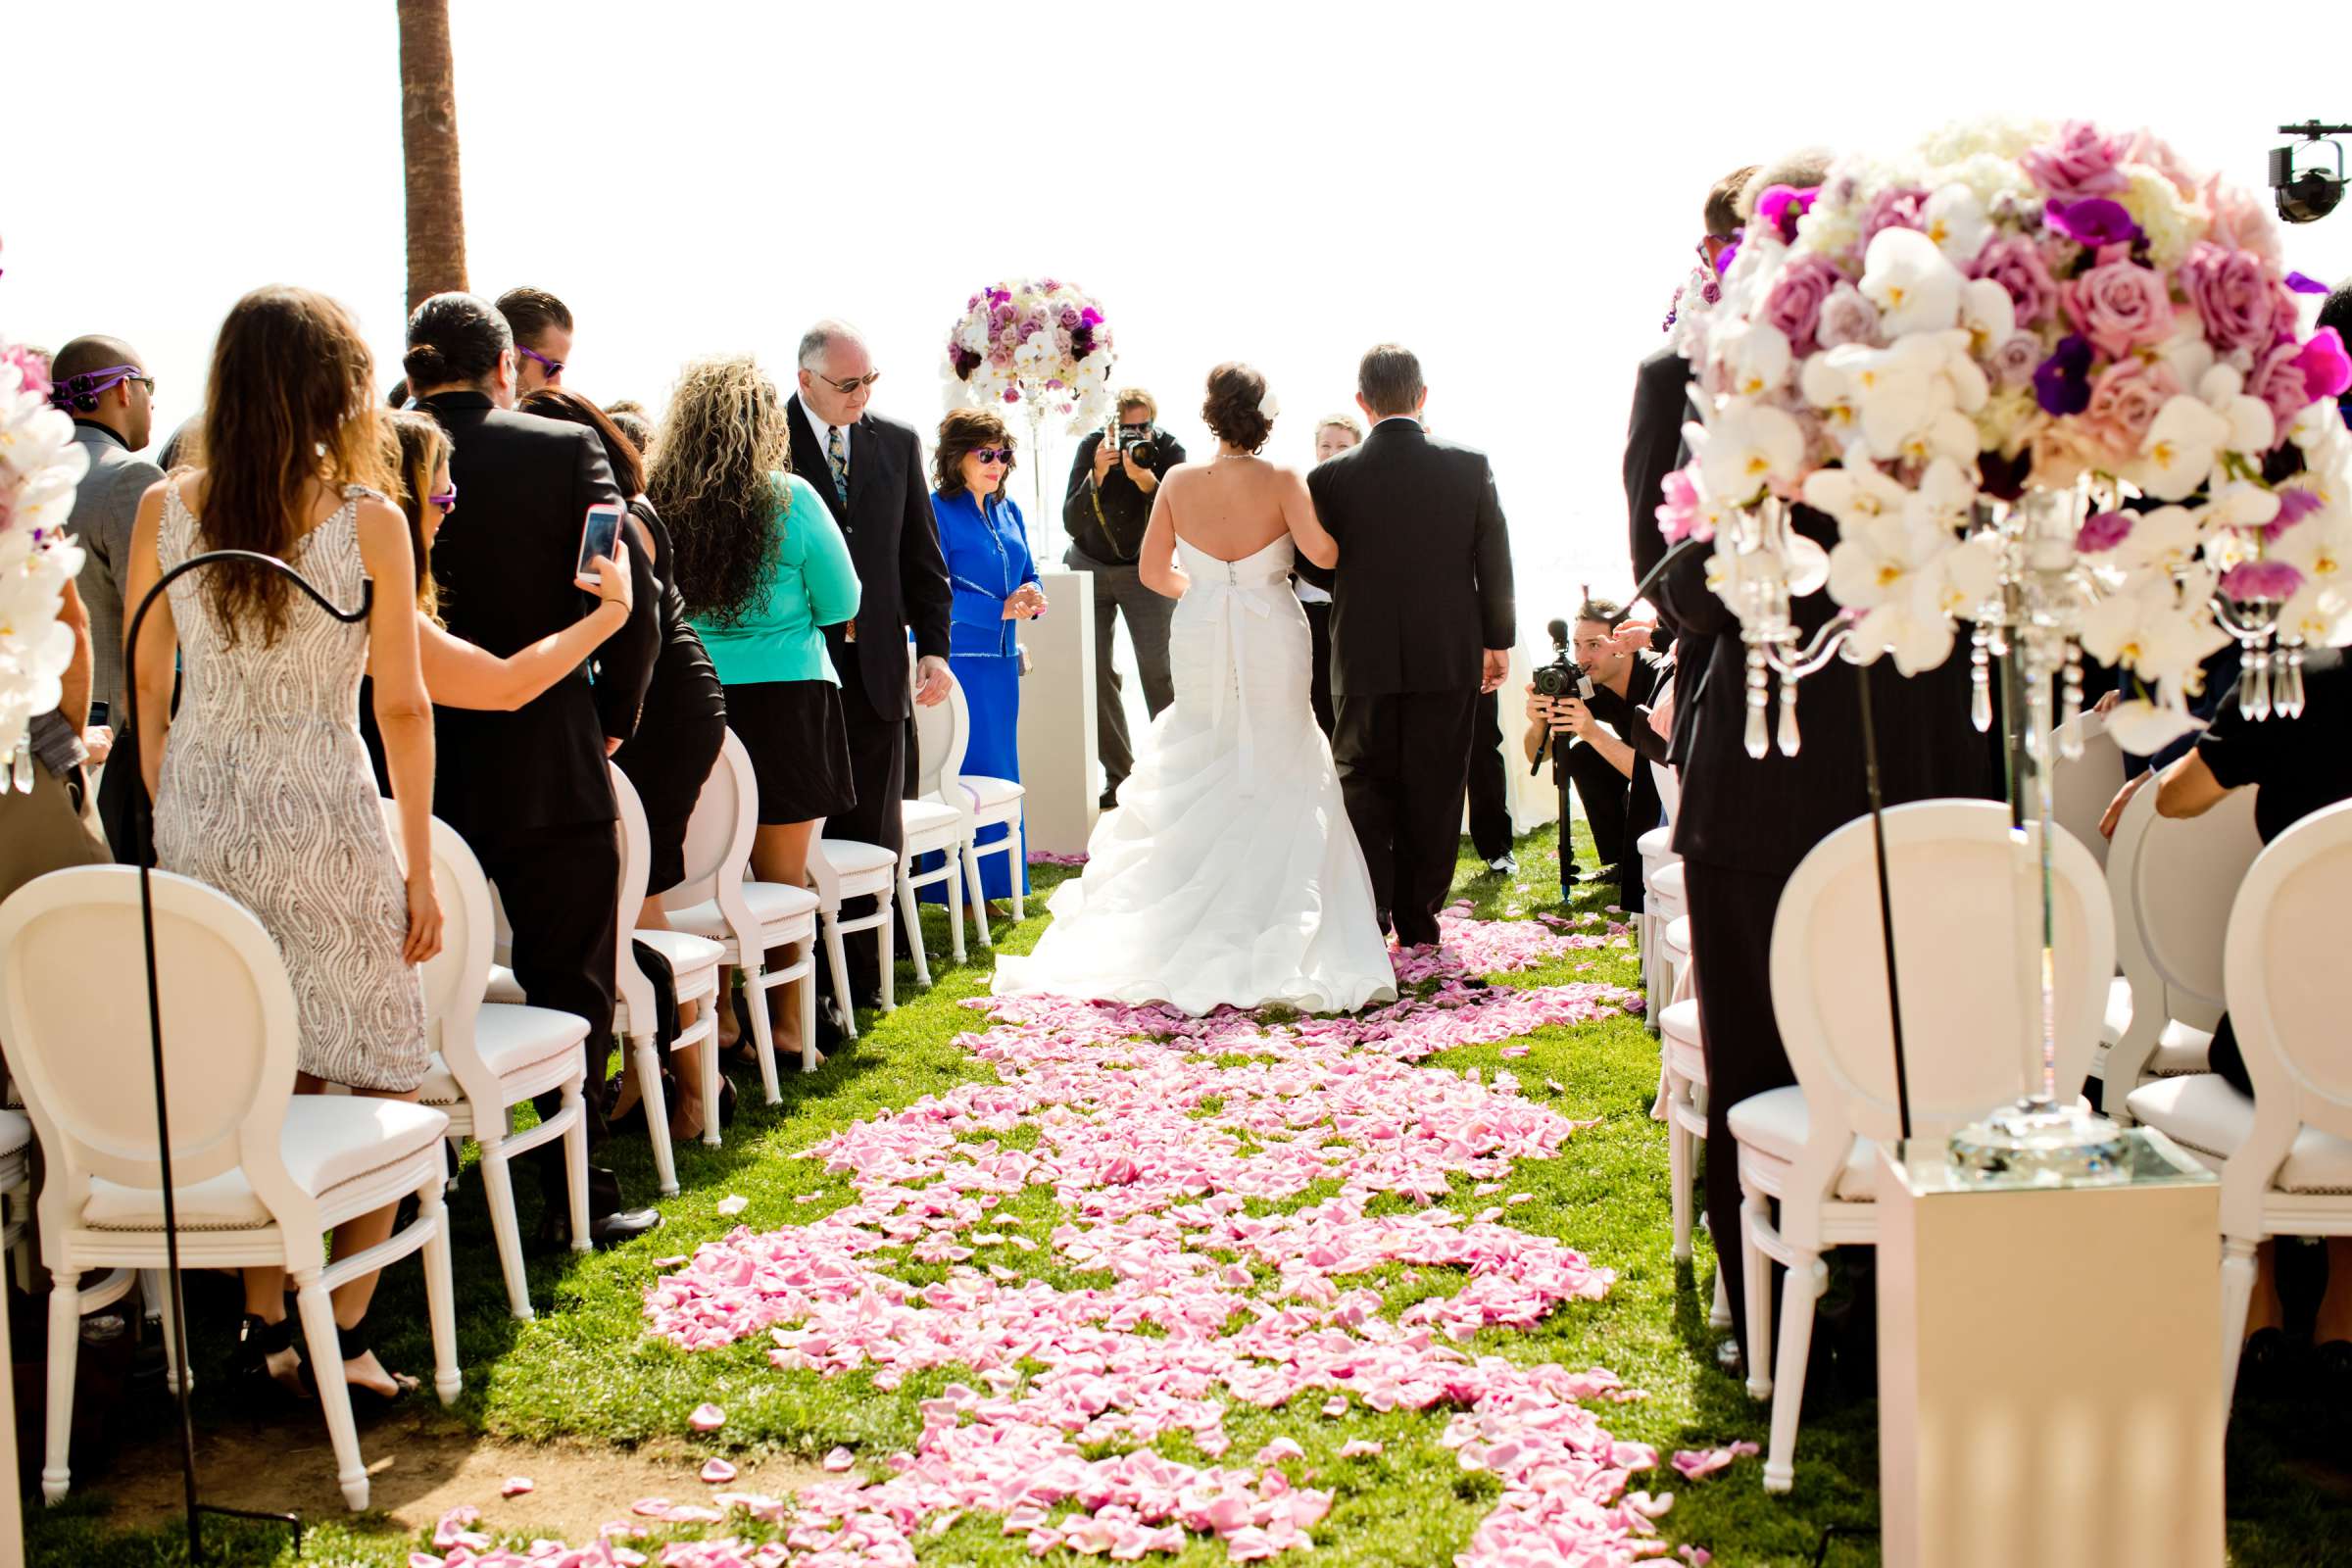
(585, 1370)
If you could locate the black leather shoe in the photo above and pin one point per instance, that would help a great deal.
(1109, 800)
(603, 1230)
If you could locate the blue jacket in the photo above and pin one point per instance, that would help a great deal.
(988, 559)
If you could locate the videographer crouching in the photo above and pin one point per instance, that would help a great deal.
(1602, 741)
(1108, 505)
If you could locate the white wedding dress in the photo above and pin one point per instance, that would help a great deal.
(1229, 873)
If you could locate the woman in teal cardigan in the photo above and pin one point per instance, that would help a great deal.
(761, 565)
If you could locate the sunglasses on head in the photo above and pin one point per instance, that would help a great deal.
(854, 383)
(993, 454)
(554, 367)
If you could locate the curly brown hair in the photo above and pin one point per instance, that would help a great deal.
(962, 433)
(1233, 411)
(420, 447)
(716, 480)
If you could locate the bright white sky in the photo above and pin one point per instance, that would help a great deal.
(1511, 189)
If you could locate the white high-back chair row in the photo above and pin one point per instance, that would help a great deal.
(259, 1173)
(1813, 1146)
(2285, 1156)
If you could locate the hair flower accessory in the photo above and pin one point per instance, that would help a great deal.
(1269, 407)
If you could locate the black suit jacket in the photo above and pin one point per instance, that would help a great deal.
(893, 543)
(504, 563)
(1653, 449)
(1764, 815)
(1424, 581)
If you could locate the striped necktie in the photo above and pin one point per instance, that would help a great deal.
(838, 457)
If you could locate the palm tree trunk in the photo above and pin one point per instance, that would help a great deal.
(428, 144)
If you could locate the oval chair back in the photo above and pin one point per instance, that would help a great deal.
(719, 835)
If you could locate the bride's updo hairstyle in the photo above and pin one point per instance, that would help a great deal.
(1234, 411)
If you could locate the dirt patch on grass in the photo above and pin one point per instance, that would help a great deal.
(420, 1467)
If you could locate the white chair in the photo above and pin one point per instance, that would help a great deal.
(2286, 1156)
(746, 918)
(259, 1173)
(1666, 903)
(2169, 883)
(840, 869)
(2082, 789)
(1810, 1146)
(1682, 1101)
(995, 802)
(490, 1056)
(937, 821)
(15, 1193)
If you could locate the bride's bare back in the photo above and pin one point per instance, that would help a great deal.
(1231, 507)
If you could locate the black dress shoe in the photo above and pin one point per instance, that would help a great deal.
(603, 1230)
(1109, 799)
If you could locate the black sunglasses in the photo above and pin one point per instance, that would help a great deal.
(993, 454)
(845, 388)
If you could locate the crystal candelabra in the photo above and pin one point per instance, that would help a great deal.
(1767, 564)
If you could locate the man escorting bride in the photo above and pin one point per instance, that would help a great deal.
(1231, 873)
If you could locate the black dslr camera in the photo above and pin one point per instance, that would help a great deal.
(1139, 439)
(1562, 678)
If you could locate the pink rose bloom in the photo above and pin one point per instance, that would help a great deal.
(2241, 220)
(2124, 402)
(2016, 265)
(2119, 305)
(1794, 303)
(1847, 318)
(2079, 163)
(2236, 297)
(2146, 147)
(1894, 208)
(2278, 378)
(2014, 362)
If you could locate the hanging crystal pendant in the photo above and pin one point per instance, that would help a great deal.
(1758, 735)
(1788, 736)
(2289, 698)
(2069, 712)
(1979, 680)
(2254, 687)
(19, 776)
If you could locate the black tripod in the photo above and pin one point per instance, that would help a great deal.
(143, 810)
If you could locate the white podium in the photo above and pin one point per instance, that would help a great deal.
(2049, 1377)
(1057, 715)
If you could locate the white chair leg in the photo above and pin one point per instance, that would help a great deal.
(576, 1164)
(64, 1347)
(440, 1296)
(973, 895)
(764, 1033)
(1719, 1314)
(2237, 1297)
(1678, 1171)
(841, 975)
(325, 1349)
(1806, 1277)
(498, 1190)
(646, 1051)
(155, 1287)
(1017, 834)
(912, 915)
(955, 887)
(1755, 1282)
(885, 957)
(808, 1061)
(709, 1055)
(453, 1164)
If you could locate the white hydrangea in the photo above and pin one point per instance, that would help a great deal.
(2155, 205)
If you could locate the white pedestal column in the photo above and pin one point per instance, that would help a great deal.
(2047, 1385)
(1057, 715)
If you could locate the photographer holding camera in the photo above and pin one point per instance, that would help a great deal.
(1108, 503)
(1588, 707)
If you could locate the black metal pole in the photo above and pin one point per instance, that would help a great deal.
(1877, 839)
(143, 818)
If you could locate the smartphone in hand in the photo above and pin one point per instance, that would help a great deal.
(600, 535)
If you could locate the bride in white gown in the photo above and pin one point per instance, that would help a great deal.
(1229, 873)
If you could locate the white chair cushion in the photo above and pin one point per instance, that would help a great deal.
(1658, 844)
(1678, 1027)
(329, 1141)
(2204, 1114)
(1675, 940)
(771, 905)
(2180, 1049)
(503, 989)
(990, 792)
(684, 952)
(16, 1133)
(851, 858)
(1777, 1123)
(512, 1041)
(928, 819)
(1666, 886)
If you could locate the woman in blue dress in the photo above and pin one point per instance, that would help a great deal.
(994, 578)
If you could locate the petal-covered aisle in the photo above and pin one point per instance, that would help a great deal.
(1146, 1224)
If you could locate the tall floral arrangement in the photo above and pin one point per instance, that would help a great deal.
(1925, 348)
(1040, 344)
(40, 465)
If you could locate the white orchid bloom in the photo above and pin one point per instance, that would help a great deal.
(2177, 454)
(2187, 350)
(1914, 286)
(1955, 220)
(1945, 496)
(1857, 494)
(1988, 316)
(1890, 570)
(2321, 548)
(1755, 355)
(1750, 446)
(2144, 727)
(2320, 615)
(2252, 426)
(2163, 540)
(2154, 630)
(2240, 504)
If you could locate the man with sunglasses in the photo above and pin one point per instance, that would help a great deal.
(870, 472)
(542, 328)
(103, 384)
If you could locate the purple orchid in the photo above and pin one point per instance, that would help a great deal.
(2103, 532)
(2062, 382)
(1780, 206)
(2294, 504)
(1725, 256)
(2092, 222)
(2303, 284)
(2261, 579)
(2327, 368)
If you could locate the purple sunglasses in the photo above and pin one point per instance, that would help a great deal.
(552, 367)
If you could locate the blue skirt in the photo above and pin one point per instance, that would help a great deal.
(991, 690)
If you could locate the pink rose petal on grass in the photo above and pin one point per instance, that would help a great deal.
(516, 1486)
(733, 1203)
(1515, 1051)
(839, 1459)
(1696, 1463)
(707, 1418)
(1279, 1449)
(717, 1472)
(1360, 1449)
